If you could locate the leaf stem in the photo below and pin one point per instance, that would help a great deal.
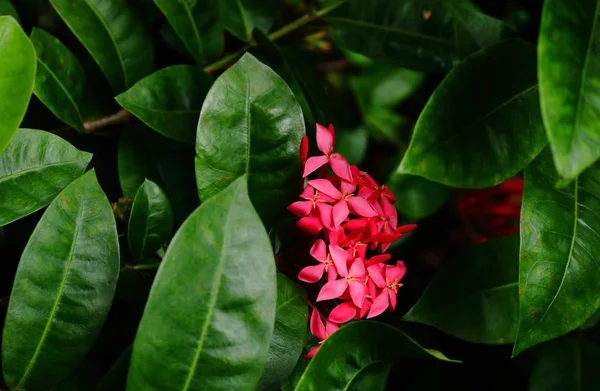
(149, 266)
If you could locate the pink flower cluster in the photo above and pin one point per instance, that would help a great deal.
(350, 214)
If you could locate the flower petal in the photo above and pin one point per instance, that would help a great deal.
(337, 236)
(340, 213)
(376, 259)
(325, 187)
(313, 351)
(362, 207)
(387, 193)
(316, 325)
(389, 210)
(405, 228)
(330, 327)
(395, 273)
(326, 215)
(332, 289)
(347, 187)
(380, 304)
(340, 166)
(356, 224)
(313, 164)
(358, 292)
(325, 139)
(304, 149)
(339, 257)
(392, 297)
(362, 311)
(342, 313)
(301, 208)
(357, 270)
(319, 250)
(311, 225)
(376, 274)
(332, 273)
(312, 274)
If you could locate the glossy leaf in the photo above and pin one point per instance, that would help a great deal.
(354, 348)
(169, 101)
(475, 296)
(289, 335)
(150, 222)
(372, 378)
(417, 197)
(34, 168)
(113, 35)
(218, 340)
(63, 288)
(198, 24)
(256, 134)
(60, 79)
(566, 364)
(17, 72)
(241, 17)
(559, 272)
(464, 142)
(570, 83)
(6, 8)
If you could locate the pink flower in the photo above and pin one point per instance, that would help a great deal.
(313, 274)
(319, 330)
(352, 280)
(389, 282)
(325, 142)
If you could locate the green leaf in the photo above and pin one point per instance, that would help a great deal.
(113, 35)
(212, 306)
(169, 100)
(417, 197)
(241, 17)
(63, 288)
(257, 134)
(566, 364)
(385, 85)
(475, 296)
(354, 348)
(150, 222)
(17, 73)
(570, 83)
(289, 335)
(559, 272)
(6, 8)
(352, 144)
(60, 79)
(34, 168)
(198, 24)
(372, 378)
(116, 378)
(473, 143)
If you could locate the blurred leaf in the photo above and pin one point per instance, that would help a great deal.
(241, 17)
(169, 100)
(473, 143)
(84, 377)
(385, 85)
(570, 83)
(256, 134)
(566, 364)
(134, 284)
(352, 144)
(372, 378)
(6, 8)
(198, 24)
(475, 296)
(385, 125)
(113, 35)
(63, 288)
(289, 335)
(17, 72)
(355, 347)
(417, 197)
(60, 79)
(221, 256)
(116, 378)
(34, 168)
(296, 375)
(559, 276)
(150, 222)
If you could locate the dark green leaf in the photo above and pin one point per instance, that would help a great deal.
(355, 347)
(372, 378)
(63, 288)
(464, 142)
(352, 144)
(257, 134)
(169, 101)
(294, 377)
(385, 85)
(116, 378)
(198, 24)
(241, 17)
(17, 72)
(559, 272)
(6, 8)
(475, 296)
(60, 79)
(34, 168)
(113, 35)
(150, 222)
(570, 82)
(417, 197)
(289, 335)
(212, 306)
(566, 364)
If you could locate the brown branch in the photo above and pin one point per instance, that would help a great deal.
(121, 117)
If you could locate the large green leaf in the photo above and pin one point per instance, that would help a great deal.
(566, 364)
(570, 82)
(63, 288)
(463, 141)
(6, 8)
(17, 75)
(241, 17)
(169, 101)
(420, 34)
(417, 197)
(289, 335)
(559, 272)
(353, 349)
(34, 168)
(372, 378)
(475, 296)
(198, 24)
(150, 222)
(257, 133)
(60, 79)
(114, 36)
(211, 309)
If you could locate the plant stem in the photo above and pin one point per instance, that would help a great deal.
(120, 117)
(149, 266)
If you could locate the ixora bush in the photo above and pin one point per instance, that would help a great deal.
(299, 195)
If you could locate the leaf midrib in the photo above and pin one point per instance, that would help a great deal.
(247, 32)
(63, 88)
(359, 372)
(37, 168)
(188, 12)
